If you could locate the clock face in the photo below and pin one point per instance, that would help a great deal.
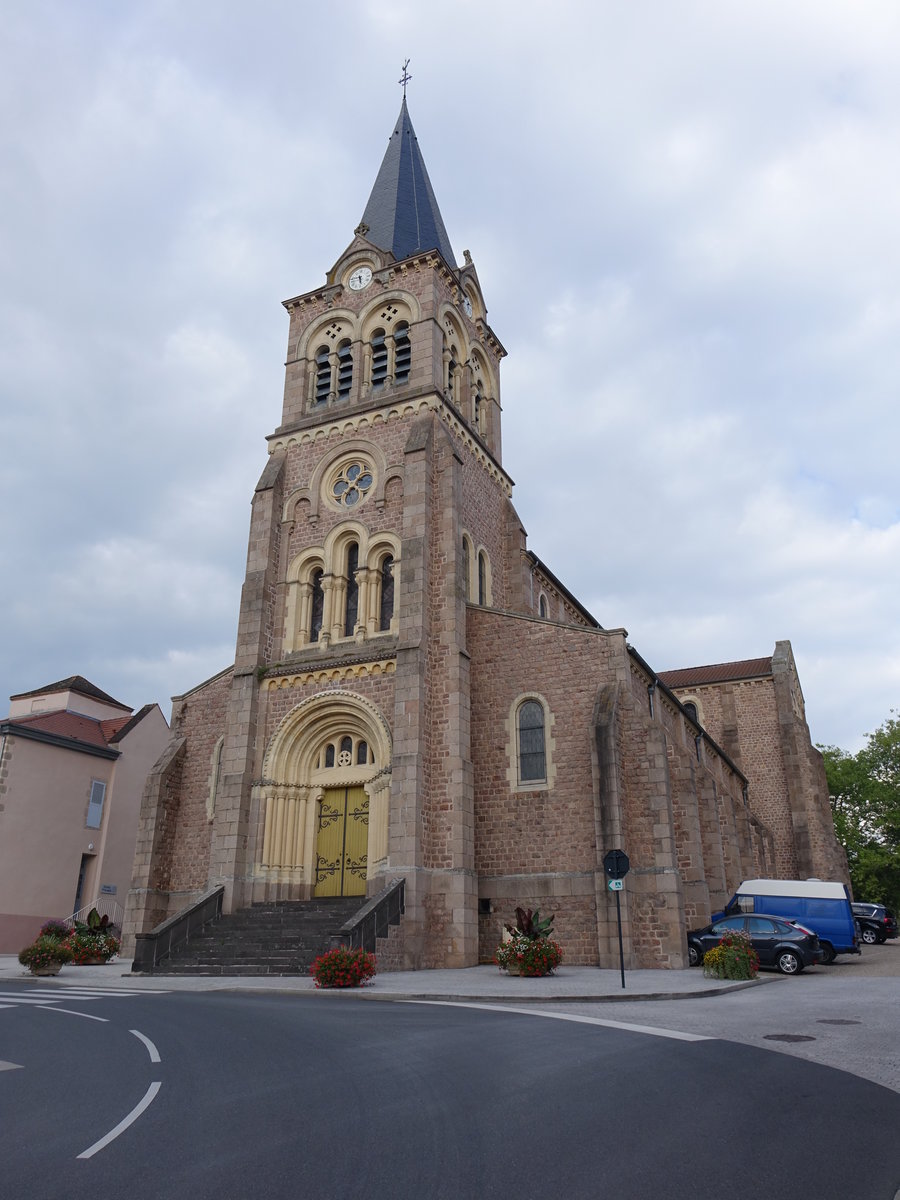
(467, 305)
(361, 278)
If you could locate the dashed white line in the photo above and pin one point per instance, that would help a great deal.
(72, 1013)
(124, 1123)
(154, 1053)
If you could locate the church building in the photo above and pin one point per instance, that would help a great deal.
(415, 695)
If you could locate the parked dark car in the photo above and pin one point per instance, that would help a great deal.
(778, 943)
(876, 923)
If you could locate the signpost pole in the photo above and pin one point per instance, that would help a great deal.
(621, 950)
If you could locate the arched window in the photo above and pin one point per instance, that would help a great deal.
(452, 366)
(482, 578)
(329, 755)
(467, 565)
(402, 352)
(352, 590)
(362, 754)
(386, 607)
(532, 756)
(691, 709)
(542, 605)
(323, 375)
(345, 759)
(317, 607)
(379, 359)
(345, 370)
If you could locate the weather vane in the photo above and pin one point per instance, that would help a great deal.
(405, 78)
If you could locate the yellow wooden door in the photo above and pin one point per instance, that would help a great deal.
(342, 842)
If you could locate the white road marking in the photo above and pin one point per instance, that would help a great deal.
(124, 1123)
(72, 1013)
(555, 1016)
(154, 1053)
(5, 1066)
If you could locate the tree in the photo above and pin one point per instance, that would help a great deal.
(864, 789)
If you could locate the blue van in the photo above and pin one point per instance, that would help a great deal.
(820, 906)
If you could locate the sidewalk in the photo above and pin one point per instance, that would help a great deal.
(476, 984)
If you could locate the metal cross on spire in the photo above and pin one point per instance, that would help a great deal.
(405, 78)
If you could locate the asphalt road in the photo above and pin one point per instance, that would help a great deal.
(273, 1096)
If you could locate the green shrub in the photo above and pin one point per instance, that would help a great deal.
(733, 958)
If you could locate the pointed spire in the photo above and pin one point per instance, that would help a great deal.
(402, 213)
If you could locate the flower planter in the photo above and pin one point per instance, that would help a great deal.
(512, 968)
(50, 969)
(91, 962)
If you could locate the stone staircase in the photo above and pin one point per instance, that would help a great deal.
(279, 938)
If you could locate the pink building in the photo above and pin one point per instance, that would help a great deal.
(73, 762)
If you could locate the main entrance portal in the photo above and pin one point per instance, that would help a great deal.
(342, 842)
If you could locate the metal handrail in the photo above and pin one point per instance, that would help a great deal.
(105, 906)
(151, 948)
(375, 918)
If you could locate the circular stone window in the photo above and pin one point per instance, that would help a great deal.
(350, 484)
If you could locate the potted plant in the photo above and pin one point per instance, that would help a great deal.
(45, 955)
(527, 948)
(733, 958)
(343, 967)
(93, 941)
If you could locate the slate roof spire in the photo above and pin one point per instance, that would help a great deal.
(402, 213)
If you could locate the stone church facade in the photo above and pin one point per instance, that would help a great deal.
(414, 693)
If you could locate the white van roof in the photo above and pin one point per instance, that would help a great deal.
(820, 889)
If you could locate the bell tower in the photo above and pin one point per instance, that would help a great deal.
(382, 512)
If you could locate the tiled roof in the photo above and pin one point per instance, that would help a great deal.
(68, 725)
(75, 683)
(402, 213)
(748, 668)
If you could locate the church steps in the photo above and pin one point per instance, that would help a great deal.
(280, 938)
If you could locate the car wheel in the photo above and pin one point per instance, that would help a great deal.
(788, 963)
(869, 936)
(694, 955)
(828, 954)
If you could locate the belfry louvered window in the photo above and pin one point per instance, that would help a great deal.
(379, 359)
(402, 353)
(532, 756)
(323, 375)
(345, 370)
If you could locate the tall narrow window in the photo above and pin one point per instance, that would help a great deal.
(532, 759)
(329, 755)
(362, 754)
(467, 566)
(691, 709)
(323, 375)
(379, 359)
(346, 756)
(402, 353)
(386, 610)
(317, 607)
(482, 577)
(95, 808)
(345, 370)
(451, 375)
(352, 590)
(542, 606)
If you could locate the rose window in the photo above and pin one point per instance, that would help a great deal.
(352, 484)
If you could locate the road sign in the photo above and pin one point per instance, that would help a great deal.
(615, 885)
(616, 864)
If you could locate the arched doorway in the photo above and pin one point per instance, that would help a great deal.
(324, 797)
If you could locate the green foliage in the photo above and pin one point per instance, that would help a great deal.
(733, 958)
(343, 968)
(864, 789)
(530, 925)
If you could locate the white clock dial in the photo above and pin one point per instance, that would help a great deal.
(361, 278)
(467, 305)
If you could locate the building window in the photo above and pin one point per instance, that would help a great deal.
(386, 606)
(451, 375)
(482, 578)
(345, 370)
(352, 484)
(532, 757)
(542, 605)
(352, 608)
(402, 352)
(317, 607)
(323, 374)
(362, 754)
(379, 359)
(691, 709)
(95, 807)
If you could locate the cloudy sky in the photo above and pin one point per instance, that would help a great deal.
(684, 216)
